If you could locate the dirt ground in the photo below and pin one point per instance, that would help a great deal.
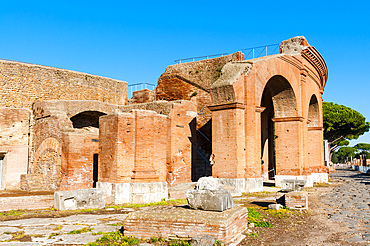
(305, 227)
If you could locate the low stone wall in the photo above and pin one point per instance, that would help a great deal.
(362, 169)
(119, 193)
(79, 199)
(183, 222)
(26, 202)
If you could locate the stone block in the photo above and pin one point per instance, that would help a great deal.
(79, 199)
(253, 184)
(292, 184)
(275, 206)
(210, 200)
(294, 200)
(202, 240)
(119, 193)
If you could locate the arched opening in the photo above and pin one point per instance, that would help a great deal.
(278, 101)
(313, 112)
(314, 135)
(86, 119)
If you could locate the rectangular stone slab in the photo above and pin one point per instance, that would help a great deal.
(185, 222)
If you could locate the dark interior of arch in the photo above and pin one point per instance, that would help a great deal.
(86, 119)
(282, 95)
(313, 112)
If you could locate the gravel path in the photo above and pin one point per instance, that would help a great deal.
(349, 203)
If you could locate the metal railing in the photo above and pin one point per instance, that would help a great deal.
(249, 53)
(260, 51)
(138, 87)
(198, 58)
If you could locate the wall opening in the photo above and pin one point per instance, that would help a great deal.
(86, 119)
(2, 157)
(313, 112)
(279, 101)
(95, 169)
(203, 167)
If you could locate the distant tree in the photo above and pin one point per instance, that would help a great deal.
(363, 147)
(341, 124)
(345, 153)
(334, 158)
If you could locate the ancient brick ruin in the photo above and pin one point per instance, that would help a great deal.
(259, 119)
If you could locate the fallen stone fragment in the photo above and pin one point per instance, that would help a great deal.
(275, 206)
(209, 195)
(202, 240)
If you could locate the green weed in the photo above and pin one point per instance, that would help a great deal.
(115, 238)
(80, 231)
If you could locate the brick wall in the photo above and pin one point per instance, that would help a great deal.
(192, 80)
(14, 137)
(22, 84)
(133, 147)
(145, 146)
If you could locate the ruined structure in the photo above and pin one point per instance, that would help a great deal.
(65, 130)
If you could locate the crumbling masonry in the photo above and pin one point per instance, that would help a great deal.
(259, 119)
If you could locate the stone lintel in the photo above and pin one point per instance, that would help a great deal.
(226, 106)
(286, 119)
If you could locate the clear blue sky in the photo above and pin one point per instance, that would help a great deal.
(135, 41)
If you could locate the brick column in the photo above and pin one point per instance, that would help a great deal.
(315, 150)
(228, 140)
(144, 170)
(288, 145)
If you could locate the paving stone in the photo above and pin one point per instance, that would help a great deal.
(9, 229)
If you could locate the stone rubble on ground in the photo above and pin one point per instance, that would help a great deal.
(209, 195)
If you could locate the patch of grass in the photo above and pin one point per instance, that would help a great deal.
(258, 194)
(178, 243)
(253, 215)
(153, 239)
(98, 233)
(218, 72)
(57, 228)
(255, 218)
(252, 234)
(283, 213)
(321, 185)
(174, 202)
(115, 238)
(265, 224)
(118, 224)
(53, 235)
(80, 231)
(13, 213)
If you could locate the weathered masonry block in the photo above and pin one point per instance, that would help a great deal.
(162, 222)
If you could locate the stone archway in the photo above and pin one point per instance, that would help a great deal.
(315, 137)
(279, 104)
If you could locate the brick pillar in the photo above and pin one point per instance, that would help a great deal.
(228, 140)
(144, 170)
(315, 150)
(117, 147)
(288, 145)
